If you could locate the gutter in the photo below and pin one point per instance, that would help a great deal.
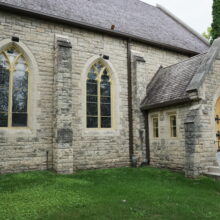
(58, 19)
(167, 104)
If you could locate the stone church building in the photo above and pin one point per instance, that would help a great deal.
(88, 84)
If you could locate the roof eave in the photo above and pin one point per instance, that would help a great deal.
(166, 104)
(53, 18)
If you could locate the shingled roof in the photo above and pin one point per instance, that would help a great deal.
(130, 17)
(169, 86)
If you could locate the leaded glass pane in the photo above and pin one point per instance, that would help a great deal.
(173, 126)
(19, 101)
(106, 110)
(92, 88)
(92, 122)
(4, 89)
(98, 102)
(3, 62)
(105, 89)
(20, 80)
(3, 99)
(106, 122)
(4, 73)
(92, 109)
(92, 75)
(12, 54)
(98, 67)
(3, 119)
(4, 77)
(20, 89)
(106, 100)
(105, 77)
(92, 98)
(19, 96)
(155, 127)
(19, 120)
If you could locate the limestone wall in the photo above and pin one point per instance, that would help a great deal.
(142, 73)
(201, 145)
(26, 149)
(167, 151)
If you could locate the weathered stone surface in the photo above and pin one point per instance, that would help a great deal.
(22, 150)
(195, 147)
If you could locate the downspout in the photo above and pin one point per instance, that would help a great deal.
(130, 109)
(147, 138)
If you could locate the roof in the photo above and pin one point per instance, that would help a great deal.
(131, 18)
(170, 85)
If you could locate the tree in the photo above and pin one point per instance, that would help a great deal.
(207, 34)
(215, 32)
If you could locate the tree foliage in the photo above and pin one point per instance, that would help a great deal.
(215, 32)
(207, 34)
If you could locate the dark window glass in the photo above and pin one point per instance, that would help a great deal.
(19, 101)
(106, 100)
(4, 77)
(98, 67)
(92, 89)
(106, 110)
(92, 76)
(173, 126)
(92, 122)
(3, 120)
(19, 120)
(12, 54)
(156, 127)
(92, 109)
(20, 95)
(20, 92)
(105, 89)
(92, 98)
(98, 102)
(106, 122)
(3, 99)
(4, 89)
(105, 77)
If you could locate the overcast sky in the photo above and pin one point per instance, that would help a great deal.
(196, 13)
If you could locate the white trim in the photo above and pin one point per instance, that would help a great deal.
(116, 88)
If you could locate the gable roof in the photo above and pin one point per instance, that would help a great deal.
(131, 18)
(169, 85)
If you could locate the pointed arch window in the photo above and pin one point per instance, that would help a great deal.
(99, 96)
(14, 74)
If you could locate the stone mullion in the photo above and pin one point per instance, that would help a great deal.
(99, 101)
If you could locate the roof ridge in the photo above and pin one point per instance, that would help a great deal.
(190, 58)
(146, 3)
(182, 23)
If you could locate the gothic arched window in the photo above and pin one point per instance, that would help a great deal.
(99, 96)
(14, 75)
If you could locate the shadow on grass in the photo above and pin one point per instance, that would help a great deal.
(123, 193)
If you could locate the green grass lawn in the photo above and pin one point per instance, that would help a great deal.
(114, 194)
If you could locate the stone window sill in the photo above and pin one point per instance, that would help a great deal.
(100, 132)
(15, 131)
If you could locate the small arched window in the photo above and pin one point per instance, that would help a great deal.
(99, 96)
(14, 74)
